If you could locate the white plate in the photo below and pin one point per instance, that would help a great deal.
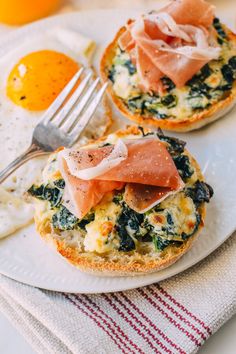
(26, 258)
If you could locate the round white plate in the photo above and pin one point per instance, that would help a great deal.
(25, 257)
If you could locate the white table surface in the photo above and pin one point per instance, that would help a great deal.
(223, 341)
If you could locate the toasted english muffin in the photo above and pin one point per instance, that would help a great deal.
(114, 240)
(208, 96)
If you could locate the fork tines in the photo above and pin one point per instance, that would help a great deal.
(76, 104)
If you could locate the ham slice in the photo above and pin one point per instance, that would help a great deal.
(150, 75)
(80, 195)
(147, 163)
(175, 42)
(194, 12)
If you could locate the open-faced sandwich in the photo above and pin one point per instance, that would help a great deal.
(174, 68)
(130, 203)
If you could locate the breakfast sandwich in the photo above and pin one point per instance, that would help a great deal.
(132, 202)
(174, 68)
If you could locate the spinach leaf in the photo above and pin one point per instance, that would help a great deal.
(200, 192)
(198, 78)
(128, 219)
(176, 145)
(106, 144)
(60, 183)
(63, 219)
(183, 166)
(232, 62)
(136, 104)
(47, 192)
(167, 83)
(117, 199)
(227, 73)
(111, 74)
(201, 89)
(86, 220)
(169, 101)
(221, 33)
(161, 243)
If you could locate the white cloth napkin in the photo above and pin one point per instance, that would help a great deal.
(175, 316)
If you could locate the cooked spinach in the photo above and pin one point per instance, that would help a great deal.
(86, 220)
(128, 219)
(167, 83)
(176, 146)
(111, 74)
(221, 33)
(169, 219)
(63, 219)
(183, 166)
(161, 243)
(145, 238)
(106, 144)
(131, 68)
(136, 104)
(200, 192)
(223, 88)
(232, 62)
(47, 192)
(202, 75)
(227, 73)
(185, 236)
(200, 89)
(117, 198)
(199, 93)
(169, 101)
(60, 183)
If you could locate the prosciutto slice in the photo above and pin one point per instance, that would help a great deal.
(175, 42)
(147, 166)
(81, 195)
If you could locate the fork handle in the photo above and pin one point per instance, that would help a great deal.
(31, 152)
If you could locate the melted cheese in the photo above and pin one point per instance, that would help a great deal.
(101, 236)
(182, 213)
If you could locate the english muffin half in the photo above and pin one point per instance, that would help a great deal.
(205, 97)
(112, 238)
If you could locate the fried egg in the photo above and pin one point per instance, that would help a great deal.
(38, 78)
(38, 69)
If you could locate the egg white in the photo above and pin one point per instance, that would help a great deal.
(17, 124)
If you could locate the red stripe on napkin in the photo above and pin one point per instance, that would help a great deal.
(148, 320)
(94, 318)
(121, 332)
(156, 305)
(110, 300)
(177, 314)
(184, 309)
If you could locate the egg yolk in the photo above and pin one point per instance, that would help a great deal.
(17, 12)
(38, 78)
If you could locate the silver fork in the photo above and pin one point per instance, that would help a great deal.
(63, 122)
